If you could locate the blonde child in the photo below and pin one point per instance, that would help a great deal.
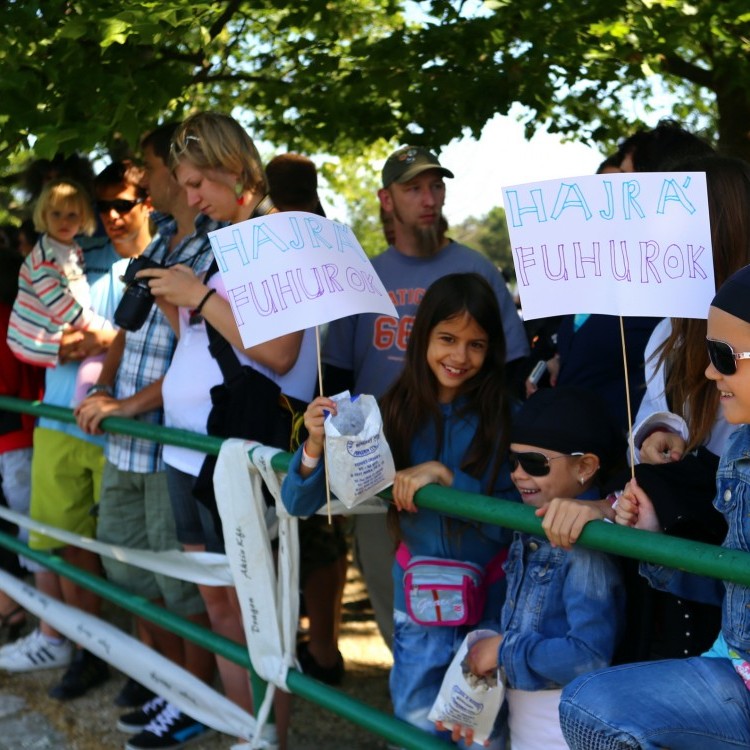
(53, 294)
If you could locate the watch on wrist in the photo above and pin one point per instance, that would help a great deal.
(100, 388)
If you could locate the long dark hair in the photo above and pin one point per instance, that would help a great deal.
(684, 354)
(412, 401)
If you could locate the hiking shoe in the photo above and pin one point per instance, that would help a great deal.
(85, 672)
(138, 720)
(170, 730)
(34, 652)
(132, 695)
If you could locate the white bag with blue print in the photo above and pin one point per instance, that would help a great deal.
(468, 700)
(359, 459)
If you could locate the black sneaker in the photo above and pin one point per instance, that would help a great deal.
(85, 672)
(333, 675)
(138, 720)
(133, 694)
(170, 730)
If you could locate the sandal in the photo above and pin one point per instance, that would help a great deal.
(11, 624)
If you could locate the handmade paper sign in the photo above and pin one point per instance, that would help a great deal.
(618, 244)
(293, 270)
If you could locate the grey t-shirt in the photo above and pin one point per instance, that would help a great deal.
(373, 346)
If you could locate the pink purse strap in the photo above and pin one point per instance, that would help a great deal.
(403, 555)
(494, 570)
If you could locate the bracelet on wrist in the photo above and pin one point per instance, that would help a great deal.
(307, 460)
(198, 309)
(100, 388)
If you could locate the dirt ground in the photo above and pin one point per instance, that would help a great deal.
(88, 723)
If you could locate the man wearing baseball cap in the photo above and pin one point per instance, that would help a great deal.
(365, 353)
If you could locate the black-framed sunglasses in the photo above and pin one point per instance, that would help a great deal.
(534, 463)
(723, 357)
(120, 205)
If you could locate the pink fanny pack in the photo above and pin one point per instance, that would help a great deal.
(441, 591)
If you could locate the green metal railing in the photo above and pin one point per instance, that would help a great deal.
(694, 557)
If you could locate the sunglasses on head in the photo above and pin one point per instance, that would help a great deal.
(535, 464)
(120, 205)
(723, 357)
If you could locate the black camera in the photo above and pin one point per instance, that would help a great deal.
(137, 299)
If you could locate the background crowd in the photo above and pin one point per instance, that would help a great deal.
(112, 305)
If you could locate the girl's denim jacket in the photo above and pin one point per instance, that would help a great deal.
(562, 615)
(428, 532)
(733, 500)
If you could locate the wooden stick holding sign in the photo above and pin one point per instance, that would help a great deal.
(294, 270)
(616, 244)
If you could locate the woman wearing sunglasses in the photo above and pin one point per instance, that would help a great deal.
(704, 701)
(562, 615)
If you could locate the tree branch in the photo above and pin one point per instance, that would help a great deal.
(693, 73)
(232, 7)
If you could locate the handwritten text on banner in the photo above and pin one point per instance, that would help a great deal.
(289, 271)
(619, 244)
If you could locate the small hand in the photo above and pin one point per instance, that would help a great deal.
(458, 732)
(482, 656)
(634, 508)
(314, 417)
(408, 481)
(565, 518)
(662, 448)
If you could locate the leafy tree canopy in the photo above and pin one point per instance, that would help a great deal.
(321, 76)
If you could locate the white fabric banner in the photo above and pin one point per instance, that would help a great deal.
(136, 660)
(270, 607)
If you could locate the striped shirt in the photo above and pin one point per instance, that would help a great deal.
(53, 296)
(148, 351)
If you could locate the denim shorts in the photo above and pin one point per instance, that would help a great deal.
(194, 522)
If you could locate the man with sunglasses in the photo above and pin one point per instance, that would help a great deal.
(134, 508)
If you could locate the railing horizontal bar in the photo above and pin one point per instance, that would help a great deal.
(694, 557)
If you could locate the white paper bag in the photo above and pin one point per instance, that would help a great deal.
(360, 463)
(468, 700)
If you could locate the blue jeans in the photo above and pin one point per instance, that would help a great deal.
(421, 657)
(685, 704)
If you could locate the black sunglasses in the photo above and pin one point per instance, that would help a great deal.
(535, 464)
(120, 205)
(723, 357)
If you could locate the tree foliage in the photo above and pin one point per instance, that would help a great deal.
(322, 76)
(489, 235)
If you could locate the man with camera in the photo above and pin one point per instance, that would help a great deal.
(134, 509)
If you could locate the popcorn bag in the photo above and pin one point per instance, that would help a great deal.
(359, 459)
(468, 700)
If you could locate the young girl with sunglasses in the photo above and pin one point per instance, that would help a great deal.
(446, 419)
(53, 294)
(563, 609)
(703, 701)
